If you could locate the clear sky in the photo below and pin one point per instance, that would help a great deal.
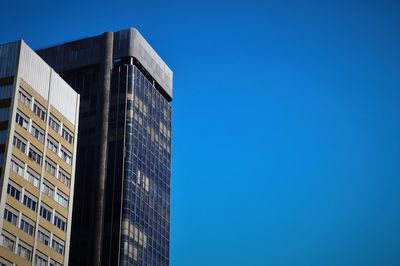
(286, 122)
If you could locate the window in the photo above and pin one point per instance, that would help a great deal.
(27, 225)
(6, 91)
(43, 236)
(11, 215)
(25, 98)
(20, 143)
(54, 263)
(58, 245)
(39, 111)
(7, 240)
(48, 189)
(22, 121)
(3, 136)
(14, 190)
(50, 167)
(64, 177)
(66, 156)
(59, 222)
(32, 177)
(24, 250)
(4, 262)
(54, 124)
(35, 155)
(17, 166)
(62, 199)
(52, 145)
(40, 259)
(4, 113)
(29, 201)
(46, 212)
(67, 135)
(37, 132)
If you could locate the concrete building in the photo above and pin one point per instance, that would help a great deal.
(38, 142)
(121, 213)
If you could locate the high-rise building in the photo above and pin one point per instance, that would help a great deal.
(122, 195)
(38, 142)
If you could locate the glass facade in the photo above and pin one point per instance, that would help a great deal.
(139, 158)
(146, 192)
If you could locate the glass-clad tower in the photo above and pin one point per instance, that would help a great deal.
(122, 197)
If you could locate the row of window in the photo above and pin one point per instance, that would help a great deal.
(24, 250)
(51, 216)
(65, 133)
(60, 174)
(30, 175)
(27, 100)
(27, 225)
(33, 177)
(58, 149)
(45, 237)
(32, 128)
(36, 155)
(58, 196)
(24, 223)
(15, 191)
(39, 110)
(33, 153)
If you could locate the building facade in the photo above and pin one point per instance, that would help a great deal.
(38, 142)
(122, 196)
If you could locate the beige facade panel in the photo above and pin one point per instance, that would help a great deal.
(57, 183)
(52, 228)
(25, 184)
(55, 206)
(59, 161)
(28, 136)
(54, 112)
(12, 229)
(48, 251)
(23, 157)
(21, 207)
(27, 112)
(56, 136)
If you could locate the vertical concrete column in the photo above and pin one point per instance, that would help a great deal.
(105, 74)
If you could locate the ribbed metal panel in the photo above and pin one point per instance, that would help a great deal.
(63, 97)
(8, 59)
(41, 78)
(34, 70)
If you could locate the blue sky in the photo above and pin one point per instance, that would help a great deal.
(286, 122)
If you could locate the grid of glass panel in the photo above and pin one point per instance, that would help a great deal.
(146, 193)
